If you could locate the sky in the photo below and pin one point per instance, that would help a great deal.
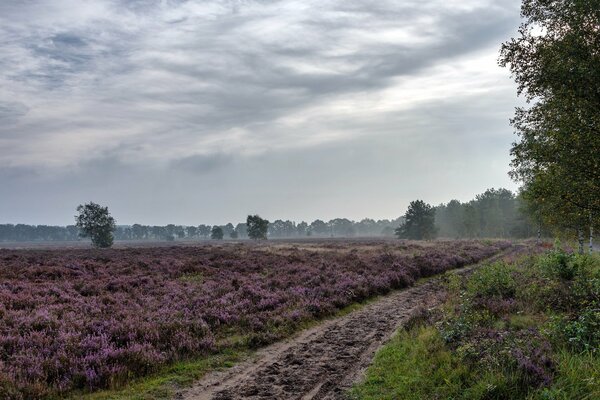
(192, 112)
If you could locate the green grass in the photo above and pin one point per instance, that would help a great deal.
(166, 383)
(413, 365)
(418, 363)
(578, 378)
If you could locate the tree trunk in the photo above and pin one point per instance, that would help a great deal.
(591, 234)
(539, 230)
(580, 240)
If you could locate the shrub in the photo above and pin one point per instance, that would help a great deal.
(560, 264)
(493, 280)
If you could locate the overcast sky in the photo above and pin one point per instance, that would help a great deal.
(195, 112)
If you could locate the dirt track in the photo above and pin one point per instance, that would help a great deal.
(322, 362)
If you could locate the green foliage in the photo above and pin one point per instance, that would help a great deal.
(217, 233)
(419, 222)
(556, 64)
(523, 330)
(95, 222)
(560, 264)
(493, 280)
(257, 227)
(581, 333)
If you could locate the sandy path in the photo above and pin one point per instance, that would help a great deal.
(324, 361)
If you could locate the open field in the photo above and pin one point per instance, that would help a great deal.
(89, 319)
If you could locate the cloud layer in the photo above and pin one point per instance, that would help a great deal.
(203, 111)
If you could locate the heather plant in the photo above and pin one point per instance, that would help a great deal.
(81, 319)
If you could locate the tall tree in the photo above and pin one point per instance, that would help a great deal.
(257, 227)
(556, 64)
(217, 233)
(95, 222)
(419, 222)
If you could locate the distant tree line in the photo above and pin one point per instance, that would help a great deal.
(495, 213)
(339, 227)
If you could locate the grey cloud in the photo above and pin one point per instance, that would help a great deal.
(11, 111)
(140, 95)
(9, 173)
(201, 163)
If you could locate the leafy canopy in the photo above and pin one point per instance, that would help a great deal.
(556, 64)
(95, 222)
(257, 227)
(217, 233)
(420, 222)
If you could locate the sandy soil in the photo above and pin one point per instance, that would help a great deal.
(322, 362)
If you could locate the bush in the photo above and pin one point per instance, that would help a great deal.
(559, 264)
(493, 280)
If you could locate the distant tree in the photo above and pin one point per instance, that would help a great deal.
(470, 220)
(227, 229)
(282, 229)
(217, 233)
(241, 230)
(420, 222)
(233, 234)
(257, 227)
(139, 231)
(204, 230)
(158, 232)
(388, 231)
(319, 228)
(342, 227)
(180, 231)
(95, 222)
(302, 229)
(191, 231)
(170, 230)
(72, 232)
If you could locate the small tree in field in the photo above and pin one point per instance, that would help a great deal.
(420, 222)
(257, 227)
(216, 233)
(95, 222)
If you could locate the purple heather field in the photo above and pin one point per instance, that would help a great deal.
(89, 319)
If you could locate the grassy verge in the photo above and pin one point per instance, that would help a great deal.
(529, 329)
(166, 383)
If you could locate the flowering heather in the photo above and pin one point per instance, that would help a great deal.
(89, 319)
